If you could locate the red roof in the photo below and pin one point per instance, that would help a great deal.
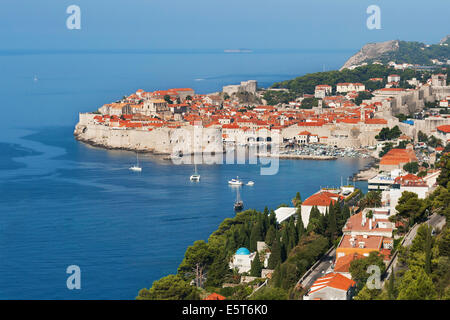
(343, 263)
(333, 280)
(445, 128)
(214, 296)
(319, 199)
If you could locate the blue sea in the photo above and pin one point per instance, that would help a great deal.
(64, 203)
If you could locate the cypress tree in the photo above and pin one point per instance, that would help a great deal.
(255, 236)
(300, 227)
(284, 244)
(332, 224)
(391, 286)
(256, 266)
(272, 218)
(270, 235)
(277, 276)
(428, 246)
(275, 255)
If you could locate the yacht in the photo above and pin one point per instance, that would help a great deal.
(195, 176)
(136, 167)
(235, 182)
(239, 204)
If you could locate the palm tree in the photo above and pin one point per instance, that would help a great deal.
(371, 200)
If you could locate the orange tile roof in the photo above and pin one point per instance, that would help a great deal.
(319, 199)
(445, 128)
(333, 280)
(214, 296)
(343, 263)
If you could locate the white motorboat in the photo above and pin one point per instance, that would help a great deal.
(250, 183)
(235, 182)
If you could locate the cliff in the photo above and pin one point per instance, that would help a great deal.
(371, 51)
(401, 52)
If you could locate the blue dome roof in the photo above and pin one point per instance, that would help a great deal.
(242, 251)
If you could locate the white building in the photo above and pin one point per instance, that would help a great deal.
(393, 78)
(347, 87)
(284, 213)
(242, 260)
(321, 200)
(332, 286)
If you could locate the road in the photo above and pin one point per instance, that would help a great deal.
(320, 270)
(436, 221)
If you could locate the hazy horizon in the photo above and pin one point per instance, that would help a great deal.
(212, 25)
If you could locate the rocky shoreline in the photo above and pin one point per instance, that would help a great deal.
(108, 147)
(368, 172)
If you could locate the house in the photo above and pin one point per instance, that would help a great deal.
(321, 200)
(242, 260)
(410, 183)
(347, 87)
(439, 80)
(332, 286)
(443, 103)
(303, 137)
(393, 78)
(397, 158)
(215, 296)
(361, 224)
(364, 244)
(443, 133)
(342, 264)
(322, 90)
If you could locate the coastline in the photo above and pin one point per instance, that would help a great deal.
(368, 172)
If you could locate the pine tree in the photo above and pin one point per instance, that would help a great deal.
(256, 266)
(218, 270)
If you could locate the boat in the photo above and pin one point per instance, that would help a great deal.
(250, 183)
(136, 167)
(195, 176)
(238, 204)
(235, 182)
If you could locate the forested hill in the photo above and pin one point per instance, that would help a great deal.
(306, 84)
(401, 52)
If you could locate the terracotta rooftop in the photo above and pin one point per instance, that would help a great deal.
(333, 280)
(343, 263)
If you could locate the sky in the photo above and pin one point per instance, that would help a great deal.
(214, 24)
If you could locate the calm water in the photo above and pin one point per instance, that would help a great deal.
(63, 202)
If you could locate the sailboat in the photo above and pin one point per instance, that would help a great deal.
(239, 204)
(195, 176)
(136, 167)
